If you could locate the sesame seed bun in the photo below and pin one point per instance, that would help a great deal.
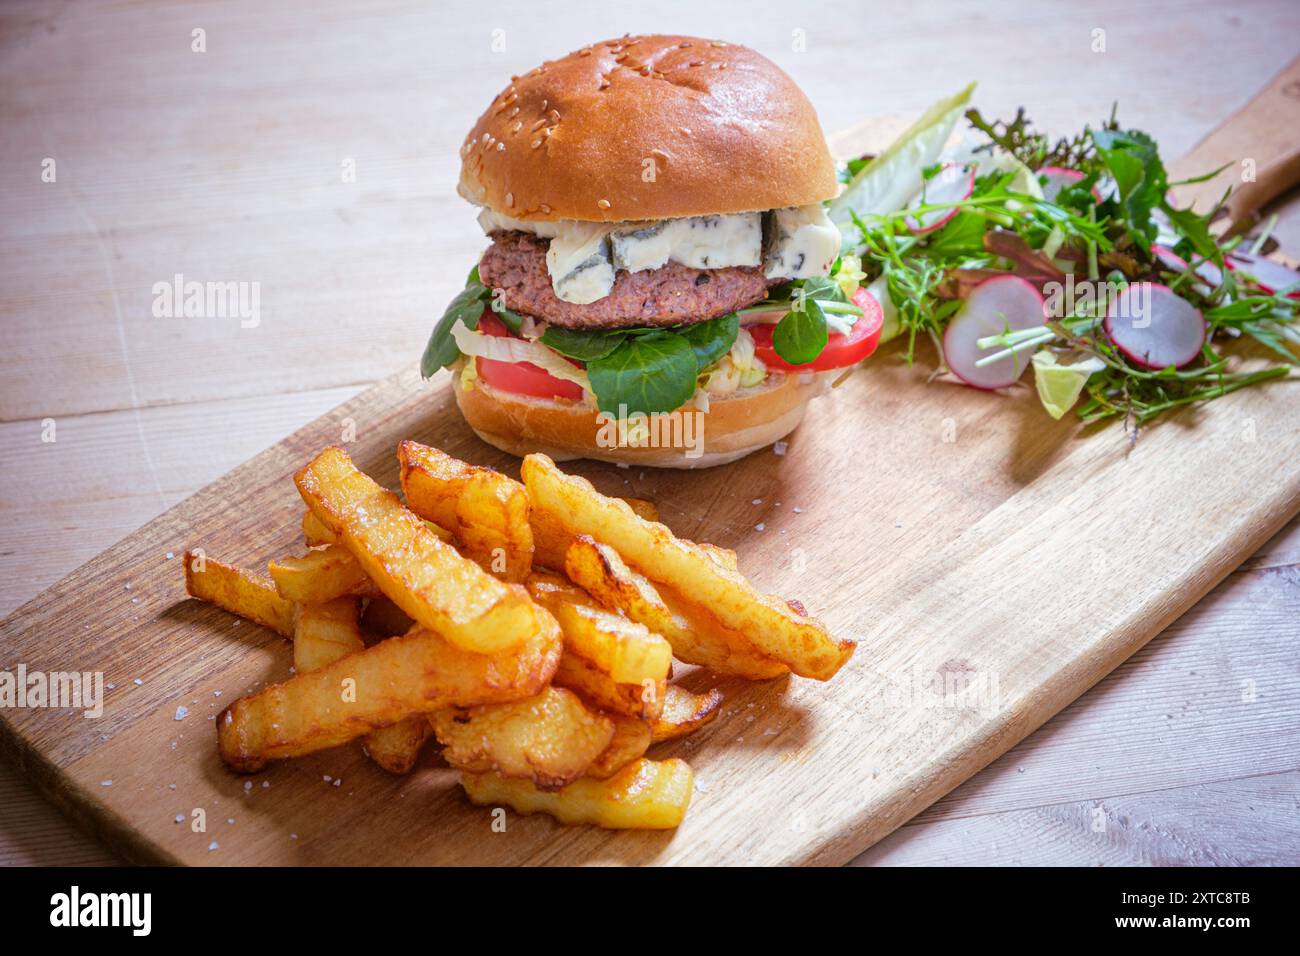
(733, 427)
(653, 127)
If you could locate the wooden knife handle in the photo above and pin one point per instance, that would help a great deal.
(1261, 139)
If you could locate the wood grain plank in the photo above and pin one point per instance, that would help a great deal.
(105, 475)
(1247, 822)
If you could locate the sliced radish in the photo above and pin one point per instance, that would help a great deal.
(1058, 178)
(1270, 275)
(1155, 327)
(1211, 274)
(994, 306)
(950, 184)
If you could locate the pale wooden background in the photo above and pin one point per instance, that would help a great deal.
(225, 165)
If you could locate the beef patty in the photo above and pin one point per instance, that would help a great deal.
(671, 295)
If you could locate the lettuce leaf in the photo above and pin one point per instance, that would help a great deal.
(891, 179)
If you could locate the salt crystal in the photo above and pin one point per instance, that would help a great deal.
(106, 783)
(213, 846)
(181, 712)
(760, 526)
(780, 447)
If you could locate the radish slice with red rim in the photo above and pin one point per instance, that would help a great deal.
(1154, 327)
(950, 184)
(1058, 178)
(1270, 275)
(1210, 274)
(993, 307)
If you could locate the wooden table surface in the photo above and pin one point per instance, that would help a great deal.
(231, 164)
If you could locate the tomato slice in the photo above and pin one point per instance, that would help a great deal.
(522, 378)
(840, 351)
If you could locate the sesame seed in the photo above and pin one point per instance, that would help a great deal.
(535, 143)
(510, 200)
(545, 208)
(602, 203)
(519, 124)
(501, 147)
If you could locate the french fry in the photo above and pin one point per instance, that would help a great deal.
(631, 739)
(417, 673)
(598, 570)
(320, 575)
(325, 633)
(397, 747)
(642, 701)
(645, 795)
(551, 539)
(550, 738)
(241, 592)
(314, 531)
(625, 650)
(684, 713)
(485, 511)
(767, 622)
(425, 577)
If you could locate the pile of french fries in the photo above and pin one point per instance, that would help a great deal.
(529, 627)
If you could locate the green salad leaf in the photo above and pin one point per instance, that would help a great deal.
(441, 351)
(712, 339)
(584, 345)
(647, 374)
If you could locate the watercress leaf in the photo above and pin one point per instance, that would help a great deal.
(712, 339)
(649, 373)
(801, 336)
(441, 350)
(585, 345)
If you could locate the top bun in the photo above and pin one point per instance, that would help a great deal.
(653, 127)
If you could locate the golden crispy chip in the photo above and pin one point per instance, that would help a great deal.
(397, 747)
(486, 511)
(314, 531)
(550, 738)
(241, 592)
(598, 569)
(417, 673)
(766, 622)
(631, 739)
(321, 575)
(325, 633)
(551, 539)
(625, 650)
(425, 577)
(383, 618)
(724, 556)
(643, 701)
(645, 795)
(684, 713)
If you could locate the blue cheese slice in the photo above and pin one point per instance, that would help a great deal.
(802, 243)
(580, 264)
(700, 242)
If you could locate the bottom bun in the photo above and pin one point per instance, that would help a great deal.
(734, 426)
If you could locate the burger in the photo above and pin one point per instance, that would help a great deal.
(662, 286)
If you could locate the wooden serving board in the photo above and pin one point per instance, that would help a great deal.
(963, 538)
